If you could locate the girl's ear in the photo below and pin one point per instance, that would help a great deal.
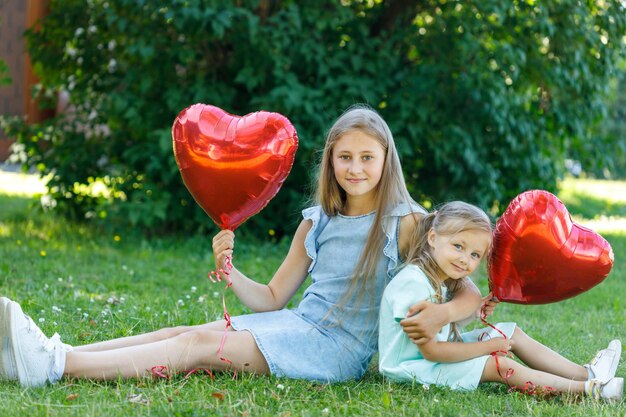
(431, 238)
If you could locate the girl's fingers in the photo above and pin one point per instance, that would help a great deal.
(223, 241)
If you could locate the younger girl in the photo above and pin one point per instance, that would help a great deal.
(446, 247)
(349, 244)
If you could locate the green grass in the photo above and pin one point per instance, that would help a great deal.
(89, 285)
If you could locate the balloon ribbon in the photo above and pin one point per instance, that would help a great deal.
(162, 371)
(529, 388)
(226, 271)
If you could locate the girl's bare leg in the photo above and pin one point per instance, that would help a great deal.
(521, 375)
(196, 348)
(145, 338)
(542, 358)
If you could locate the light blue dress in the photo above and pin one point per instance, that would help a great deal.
(399, 358)
(307, 342)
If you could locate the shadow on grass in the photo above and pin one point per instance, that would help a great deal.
(590, 207)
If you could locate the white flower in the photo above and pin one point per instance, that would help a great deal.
(41, 319)
(426, 387)
(112, 65)
(193, 289)
(112, 44)
(92, 29)
(79, 31)
(180, 302)
(325, 411)
(71, 51)
(280, 386)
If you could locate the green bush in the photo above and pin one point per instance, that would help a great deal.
(609, 135)
(4, 74)
(485, 98)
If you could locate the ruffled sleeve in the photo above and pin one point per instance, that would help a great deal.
(391, 225)
(319, 219)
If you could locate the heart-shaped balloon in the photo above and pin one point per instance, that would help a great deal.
(540, 255)
(232, 166)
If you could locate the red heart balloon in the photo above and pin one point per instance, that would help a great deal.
(540, 255)
(232, 166)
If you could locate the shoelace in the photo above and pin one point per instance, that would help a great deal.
(594, 389)
(47, 343)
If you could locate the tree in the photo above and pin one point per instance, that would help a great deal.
(485, 98)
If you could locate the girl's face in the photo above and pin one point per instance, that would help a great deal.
(458, 255)
(358, 160)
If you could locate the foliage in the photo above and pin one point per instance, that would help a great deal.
(485, 98)
(89, 286)
(5, 79)
(4, 73)
(610, 135)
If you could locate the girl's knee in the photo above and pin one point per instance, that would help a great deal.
(518, 334)
(169, 332)
(497, 369)
(200, 337)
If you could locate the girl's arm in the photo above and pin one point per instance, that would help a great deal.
(286, 281)
(436, 351)
(426, 318)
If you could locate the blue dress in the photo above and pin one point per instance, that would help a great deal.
(310, 343)
(400, 359)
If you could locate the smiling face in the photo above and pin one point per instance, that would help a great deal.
(458, 255)
(358, 160)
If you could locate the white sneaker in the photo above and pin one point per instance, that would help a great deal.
(8, 368)
(37, 358)
(613, 390)
(604, 365)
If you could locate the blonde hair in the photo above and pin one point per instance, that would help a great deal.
(390, 191)
(451, 218)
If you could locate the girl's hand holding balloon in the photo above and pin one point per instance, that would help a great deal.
(223, 246)
(488, 305)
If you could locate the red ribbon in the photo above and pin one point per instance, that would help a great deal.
(218, 278)
(162, 371)
(483, 316)
(529, 388)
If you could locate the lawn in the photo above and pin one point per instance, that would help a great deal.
(89, 284)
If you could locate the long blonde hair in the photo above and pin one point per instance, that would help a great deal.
(451, 218)
(390, 191)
